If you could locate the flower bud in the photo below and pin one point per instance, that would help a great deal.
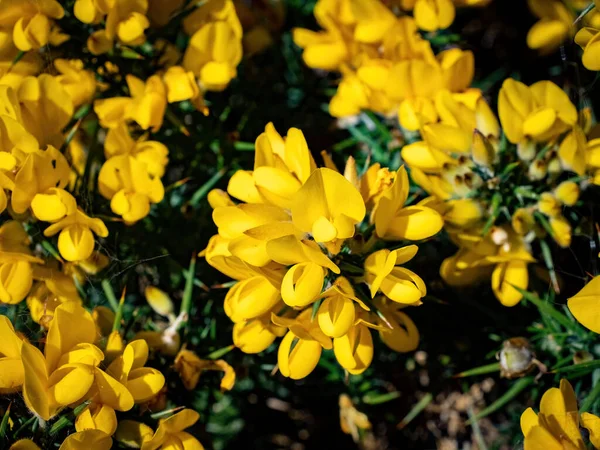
(567, 192)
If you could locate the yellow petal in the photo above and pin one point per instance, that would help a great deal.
(507, 275)
(585, 305)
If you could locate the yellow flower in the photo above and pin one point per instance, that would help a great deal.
(567, 193)
(557, 424)
(325, 50)
(127, 21)
(549, 204)
(97, 417)
(397, 283)
(327, 206)
(146, 106)
(11, 367)
(553, 27)
(128, 183)
(587, 38)
(393, 221)
(87, 439)
(583, 305)
(561, 231)
(53, 289)
(170, 434)
(45, 108)
(76, 241)
(24, 444)
(572, 151)
(351, 420)
(189, 367)
(302, 284)
(181, 85)
(256, 335)
(541, 111)
(354, 350)
(16, 271)
(300, 349)
(92, 11)
(213, 54)
(432, 15)
(30, 21)
(404, 335)
(79, 83)
(160, 302)
(337, 314)
(251, 298)
(214, 11)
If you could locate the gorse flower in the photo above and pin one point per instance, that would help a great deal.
(295, 248)
(558, 423)
(467, 167)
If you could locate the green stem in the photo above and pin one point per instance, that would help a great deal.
(110, 295)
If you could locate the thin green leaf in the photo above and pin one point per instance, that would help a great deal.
(186, 302)
(547, 308)
(514, 390)
(416, 410)
(589, 367)
(244, 146)
(488, 368)
(4, 423)
(590, 399)
(220, 352)
(61, 423)
(373, 398)
(110, 295)
(206, 187)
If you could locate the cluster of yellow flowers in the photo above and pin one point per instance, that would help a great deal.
(84, 363)
(387, 66)
(303, 271)
(499, 194)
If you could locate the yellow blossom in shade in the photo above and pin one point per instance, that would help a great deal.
(181, 85)
(159, 301)
(432, 15)
(53, 289)
(549, 204)
(127, 182)
(87, 439)
(256, 335)
(146, 106)
(79, 83)
(553, 27)
(92, 11)
(300, 349)
(505, 277)
(40, 172)
(354, 350)
(572, 151)
(567, 193)
(127, 21)
(30, 21)
(214, 11)
(169, 435)
(397, 283)
(561, 230)
(45, 108)
(584, 305)
(76, 241)
(16, 270)
(213, 54)
(404, 335)
(160, 11)
(190, 367)
(11, 367)
(327, 206)
(24, 444)
(97, 417)
(541, 111)
(302, 284)
(393, 221)
(153, 154)
(351, 420)
(522, 221)
(557, 424)
(588, 38)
